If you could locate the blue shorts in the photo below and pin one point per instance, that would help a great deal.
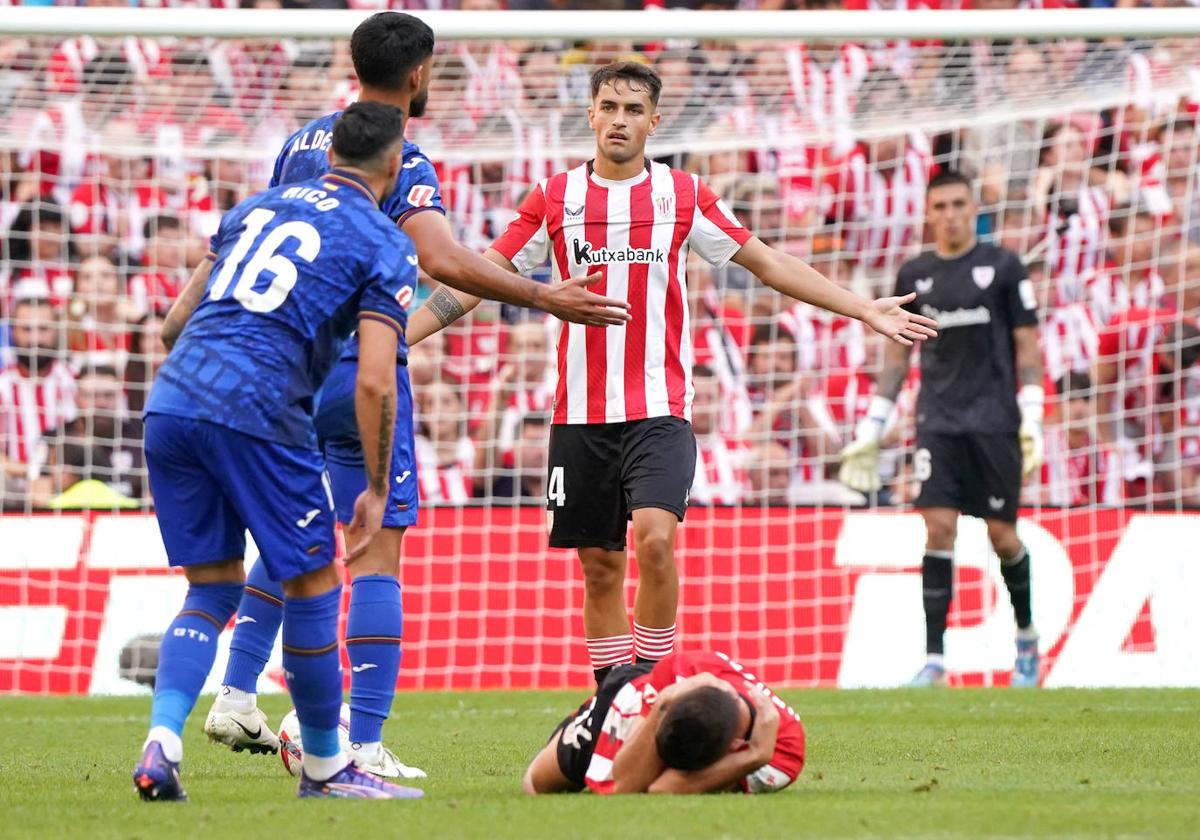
(211, 484)
(337, 428)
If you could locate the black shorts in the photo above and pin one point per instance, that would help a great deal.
(979, 475)
(575, 738)
(600, 473)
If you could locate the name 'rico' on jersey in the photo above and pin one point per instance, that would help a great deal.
(968, 373)
(294, 268)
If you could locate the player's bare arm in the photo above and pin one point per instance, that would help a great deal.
(1030, 397)
(728, 771)
(183, 307)
(797, 279)
(375, 408)
(461, 268)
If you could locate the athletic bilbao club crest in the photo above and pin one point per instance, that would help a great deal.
(664, 205)
(983, 275)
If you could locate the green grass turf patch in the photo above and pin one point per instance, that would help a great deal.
(958, 763)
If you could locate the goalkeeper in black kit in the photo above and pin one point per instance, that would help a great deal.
(979, 413)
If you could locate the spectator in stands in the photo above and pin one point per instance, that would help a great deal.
(165, 265)
(682, 106)
(1143, 355)
(773, 363)
(37, 394)
(770, 472)
(720, 457)
(876, 194)
(1075, 198)
(110, 205)
(1180, 145)
(39, 255)
(445, 453)
(99, 316)
(1004, 155)
(525, 480)
(425, 361)
(1130, 276)
(103, 442)
(146, 355)
(1079, 468)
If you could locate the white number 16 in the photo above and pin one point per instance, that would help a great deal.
(265, 259)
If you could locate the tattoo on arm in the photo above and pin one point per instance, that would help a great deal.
(1029, 356)
(377, 471)
(445, 306)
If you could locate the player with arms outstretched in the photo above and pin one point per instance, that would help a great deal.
(691, 723)
(979, 412)
(230, 443)
(393, 57)
(621, 444)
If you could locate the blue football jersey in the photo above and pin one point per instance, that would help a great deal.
(294, 268)
(305, 155)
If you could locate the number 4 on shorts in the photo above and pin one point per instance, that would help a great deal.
(555, 491)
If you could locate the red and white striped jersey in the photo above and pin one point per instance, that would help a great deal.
(31, 406)
(493, 80)
(825, 341)
(155, 291)
(720, 471)
(57, 148)
(636, 233)
(637, 698)
(41, 280)
(1129, 341)
(538, 399)
(1089, 475)
(97, 208)
(1070, 340)
(1108, 293)
(825, 94)
(1078, 249)
(843, 398)
(445, 484)
(881, 211)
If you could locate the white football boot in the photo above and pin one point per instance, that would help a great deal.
(240, 731)
(382, 762)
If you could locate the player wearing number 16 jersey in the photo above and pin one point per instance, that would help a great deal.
(621, 445)
(230, 443)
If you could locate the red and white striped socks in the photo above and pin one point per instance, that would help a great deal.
(653, 643)
(610, 651)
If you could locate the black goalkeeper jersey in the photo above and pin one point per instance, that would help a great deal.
(968, 373)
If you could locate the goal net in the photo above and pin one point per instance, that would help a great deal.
(119, 153)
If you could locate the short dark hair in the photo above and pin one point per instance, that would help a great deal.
(697, 729)
(387, 46)
(366, 130)
(100, 370)
(703, 371)
(766, 333)
(639, 77)
(1184, 339)
(161, 222)
(1074, 386)
(946, 178)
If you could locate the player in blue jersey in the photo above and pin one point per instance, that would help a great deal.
(393, 57)
(231, 444)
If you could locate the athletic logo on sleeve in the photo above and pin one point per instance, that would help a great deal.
(308, 518)
(573, 211)
(414, 163)
(983, 275)
(421, 195)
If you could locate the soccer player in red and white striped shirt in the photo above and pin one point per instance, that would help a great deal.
(621, 446)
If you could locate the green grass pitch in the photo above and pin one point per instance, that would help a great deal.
(957, 763)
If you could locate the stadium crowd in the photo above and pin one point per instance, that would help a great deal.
(121, 155)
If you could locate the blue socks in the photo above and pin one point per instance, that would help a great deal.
(259, 615)
(188, 650)
(314, 669)
(373, 630)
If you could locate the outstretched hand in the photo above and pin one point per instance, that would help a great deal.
(570, 300)
(888, 317)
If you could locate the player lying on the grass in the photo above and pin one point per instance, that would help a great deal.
(979, 413)
(230, 443)
(621, 444)
(393, 57)
(692, 723)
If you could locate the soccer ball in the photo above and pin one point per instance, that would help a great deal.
(290, 748)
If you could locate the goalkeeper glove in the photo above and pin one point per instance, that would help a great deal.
(1033, 447)
(860, 458)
